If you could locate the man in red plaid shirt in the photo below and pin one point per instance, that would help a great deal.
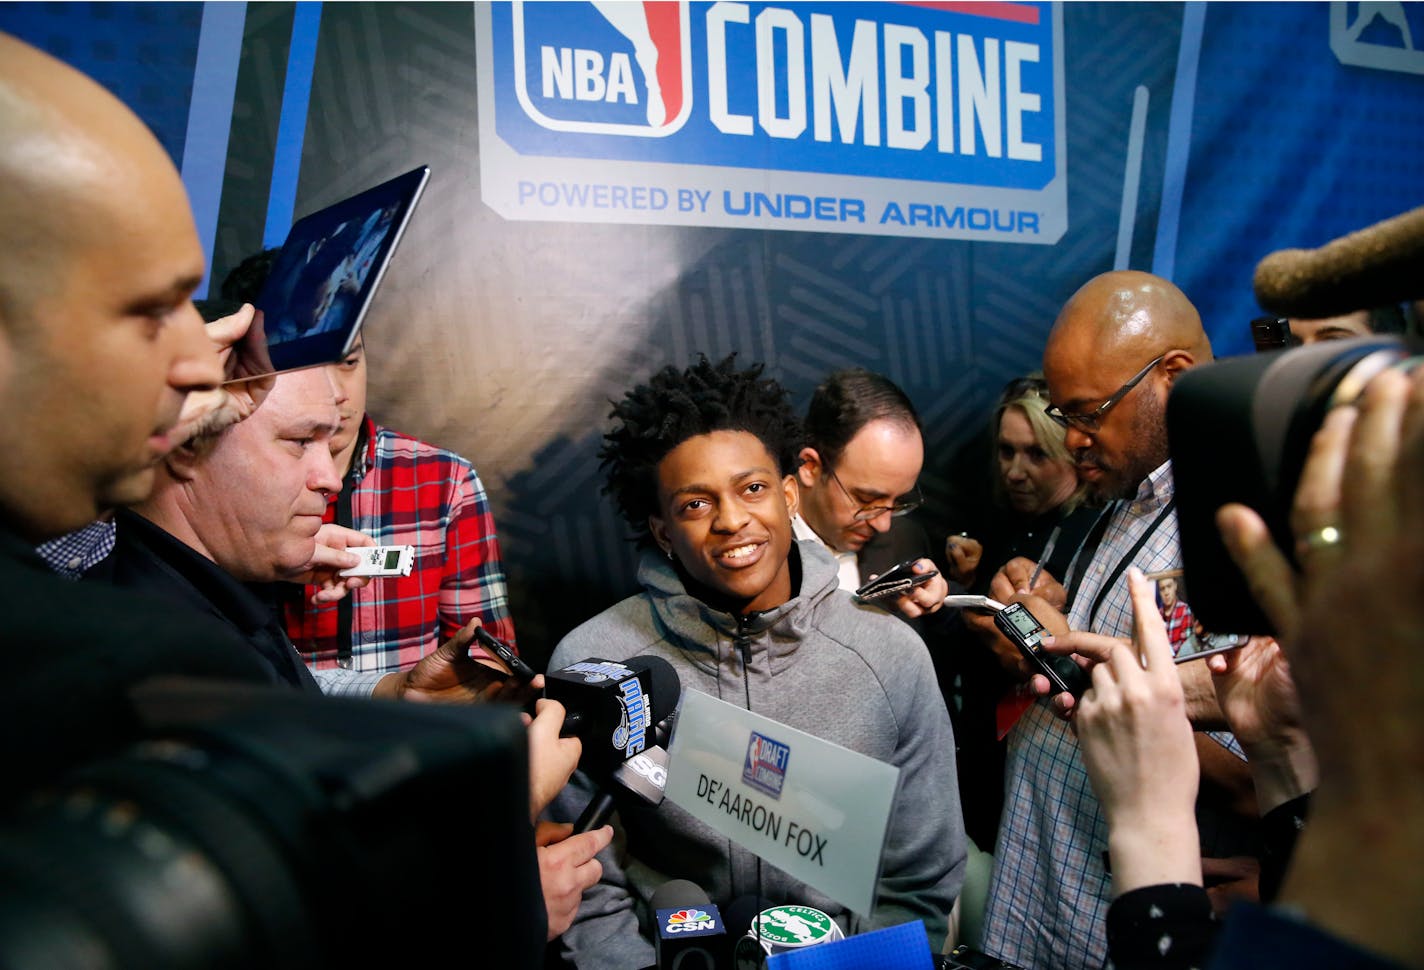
(400, 491)
(1175, 613)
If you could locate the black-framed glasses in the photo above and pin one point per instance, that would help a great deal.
(1090, 421)
(906, 503)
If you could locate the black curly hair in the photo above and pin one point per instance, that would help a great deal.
(656, 417)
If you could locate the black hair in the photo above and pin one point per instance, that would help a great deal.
(244, 283)
(847, 401)
(656, 417)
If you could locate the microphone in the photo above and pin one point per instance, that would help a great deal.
(644, 774)
(1368, 268)
(691, 932)
(778, 930)
(615, 708)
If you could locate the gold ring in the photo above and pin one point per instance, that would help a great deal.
(1322, 538)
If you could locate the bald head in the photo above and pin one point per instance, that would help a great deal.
(1128, 315)
(71, 153)
(1115, 350)
(99, 341)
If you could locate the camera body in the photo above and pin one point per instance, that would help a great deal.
(1239, 430)
(261, 827)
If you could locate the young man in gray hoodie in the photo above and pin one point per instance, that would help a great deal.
(701, 465)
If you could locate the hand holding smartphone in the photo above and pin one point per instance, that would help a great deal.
(896, 581)
(1188, 639)
(519, 670)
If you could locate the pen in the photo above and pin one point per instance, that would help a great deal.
(1043, 556)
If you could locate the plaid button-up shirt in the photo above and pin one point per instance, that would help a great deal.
(1049, 893)
(406, 492)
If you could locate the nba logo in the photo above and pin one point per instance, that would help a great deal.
(607, 67)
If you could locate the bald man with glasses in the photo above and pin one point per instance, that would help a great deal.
(859, 478)
(1115, 351)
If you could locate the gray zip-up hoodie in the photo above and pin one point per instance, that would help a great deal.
(822, 663)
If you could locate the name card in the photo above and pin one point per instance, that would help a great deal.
(814, 809)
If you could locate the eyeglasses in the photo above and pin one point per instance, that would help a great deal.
(908, 502)
(1091, 421)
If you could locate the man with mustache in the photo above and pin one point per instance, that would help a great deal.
(1112, 357)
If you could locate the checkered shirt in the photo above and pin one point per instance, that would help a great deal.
(1049, 893)
(406, 492)
(75, 553)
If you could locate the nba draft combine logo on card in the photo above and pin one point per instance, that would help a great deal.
(936, 119)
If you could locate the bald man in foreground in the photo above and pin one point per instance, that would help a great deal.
(101, 352)
(1114, 353)
(105, 367)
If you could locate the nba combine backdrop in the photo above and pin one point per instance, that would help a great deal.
(767, 116)
(913, 187)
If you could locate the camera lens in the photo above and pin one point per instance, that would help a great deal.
(146, 861)
(1239, 431)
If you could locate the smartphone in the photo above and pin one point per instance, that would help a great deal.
(1271, 333)
(518, 668)
(1188, 639)
(895, 581)
(1023, 628)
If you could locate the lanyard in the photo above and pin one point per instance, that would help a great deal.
(1088, 549)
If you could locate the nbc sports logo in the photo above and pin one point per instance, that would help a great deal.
(604, 67)
(690, 921)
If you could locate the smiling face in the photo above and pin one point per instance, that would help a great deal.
(725, 514)
(1033, 482)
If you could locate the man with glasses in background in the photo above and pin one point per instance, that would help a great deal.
(1112, 357)
(858, 479)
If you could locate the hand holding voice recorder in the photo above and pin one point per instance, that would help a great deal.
(1024, 630)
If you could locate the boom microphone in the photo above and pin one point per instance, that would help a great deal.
(1369, 268)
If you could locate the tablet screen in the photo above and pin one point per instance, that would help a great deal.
(322, 282)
